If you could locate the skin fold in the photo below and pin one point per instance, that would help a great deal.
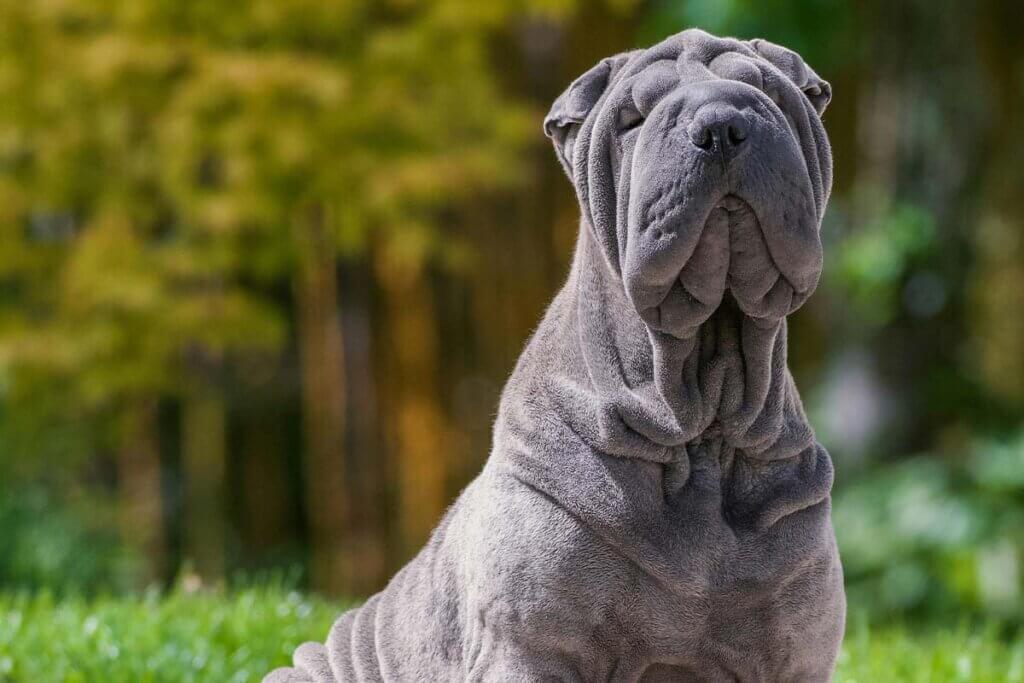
(655, 506)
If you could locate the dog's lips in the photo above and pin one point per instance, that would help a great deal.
(757, 283)
(730, 260)
(732, 203)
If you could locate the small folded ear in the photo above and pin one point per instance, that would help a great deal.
(816, 88)
(571, 108)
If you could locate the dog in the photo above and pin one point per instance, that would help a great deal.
(655, 506)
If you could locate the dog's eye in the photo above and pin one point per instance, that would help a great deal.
(629, 119)
(819, 95)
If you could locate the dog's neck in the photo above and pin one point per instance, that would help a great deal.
(640, 393)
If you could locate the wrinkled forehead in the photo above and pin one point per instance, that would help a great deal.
(693, 56)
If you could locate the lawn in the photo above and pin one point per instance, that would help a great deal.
(208, 637)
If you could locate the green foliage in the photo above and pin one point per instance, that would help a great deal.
(870, 264)
(47, 545)
(821, 30)
(937, 537)
(105, 288)
(159, 157)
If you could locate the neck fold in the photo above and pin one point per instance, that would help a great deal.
(640, 393)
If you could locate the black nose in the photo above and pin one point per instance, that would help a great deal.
(721, 129)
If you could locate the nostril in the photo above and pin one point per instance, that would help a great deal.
(701, 136)
(736, 134)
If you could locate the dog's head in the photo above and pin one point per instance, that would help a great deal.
(702, 166)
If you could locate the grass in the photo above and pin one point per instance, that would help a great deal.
(934, 654)
(199, 637)
(182, 637)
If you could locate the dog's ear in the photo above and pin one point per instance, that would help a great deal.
(816, 88)
(571, 108)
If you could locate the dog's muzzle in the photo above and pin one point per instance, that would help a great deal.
(720, 201)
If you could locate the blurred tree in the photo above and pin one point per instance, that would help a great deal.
(998, 273)
(130, 292)
(235, 145)
(339, 134)
(127, 292)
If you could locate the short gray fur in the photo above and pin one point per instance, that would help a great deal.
(655, 506)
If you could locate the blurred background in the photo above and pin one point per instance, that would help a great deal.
(265, 266)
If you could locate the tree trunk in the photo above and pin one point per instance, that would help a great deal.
(263, 489)
(998, 274)
(332, 562)
(421, 462)
(203, 443)
(367, 476)
(138, 483)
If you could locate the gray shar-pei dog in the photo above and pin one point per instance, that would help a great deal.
(655, 507)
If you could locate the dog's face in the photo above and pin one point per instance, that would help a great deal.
(703, 167)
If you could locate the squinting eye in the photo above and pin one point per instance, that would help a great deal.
(819, 95)
(629, 118)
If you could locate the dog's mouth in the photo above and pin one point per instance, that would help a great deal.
(732, 261)
(760, 286)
